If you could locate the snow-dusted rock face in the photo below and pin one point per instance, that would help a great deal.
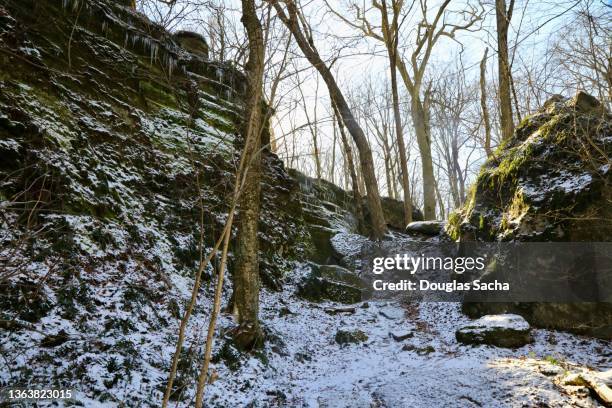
(106, 127)
(550, 182)
(104, 134)
(332, 282)
(329, 210)
(192, 42)
(505, 330)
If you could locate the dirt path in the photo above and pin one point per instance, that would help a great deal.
(430, 369)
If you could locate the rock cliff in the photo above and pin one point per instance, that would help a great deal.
(552, 181)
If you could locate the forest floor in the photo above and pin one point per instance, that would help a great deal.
(430, 369)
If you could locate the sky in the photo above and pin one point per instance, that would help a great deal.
(534, 25)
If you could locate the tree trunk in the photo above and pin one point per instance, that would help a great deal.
(420, 121)
(483, 104)
(391, 38)
(246, 271)
(399, 134)
(440, 201)
(333, 160)
(505, 98)
(348, 152)
(378, 224)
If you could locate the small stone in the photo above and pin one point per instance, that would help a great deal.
(55, 340)
(285, 311)
(551, 370)
(392, 313)
(337, 310)
(425, 350)
(401, 335)
(344, 336)
(302, 357)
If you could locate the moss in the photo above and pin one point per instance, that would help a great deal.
(453, 225)
(552, 360)
(158, 94)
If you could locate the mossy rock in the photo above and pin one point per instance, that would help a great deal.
(551, 181)
(348, 336)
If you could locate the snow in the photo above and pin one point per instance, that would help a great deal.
(348, 244)
(379, 371)
(501, 321)
(565, 182)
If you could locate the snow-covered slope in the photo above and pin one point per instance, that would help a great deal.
(113, 142)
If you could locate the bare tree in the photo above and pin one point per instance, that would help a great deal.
(503, 16)
(246, 271)
(350, 164)
(483, 104)
(291, 16)
(390, 31)
(428, 33)
(452, 102)
(583, 52)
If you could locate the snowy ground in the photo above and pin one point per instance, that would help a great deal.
(311, 370)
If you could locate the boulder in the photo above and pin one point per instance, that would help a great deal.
(551, 181)
(507, 330)
(347, 336)
(430, 228)
(557, 161)
(192, 42)
(332, 282)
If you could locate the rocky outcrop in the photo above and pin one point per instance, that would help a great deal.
(329, 210)
(552, 181)
(111, 133)
(192, 42)
(506, 330)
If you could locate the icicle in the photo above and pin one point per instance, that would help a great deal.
(219, 73)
